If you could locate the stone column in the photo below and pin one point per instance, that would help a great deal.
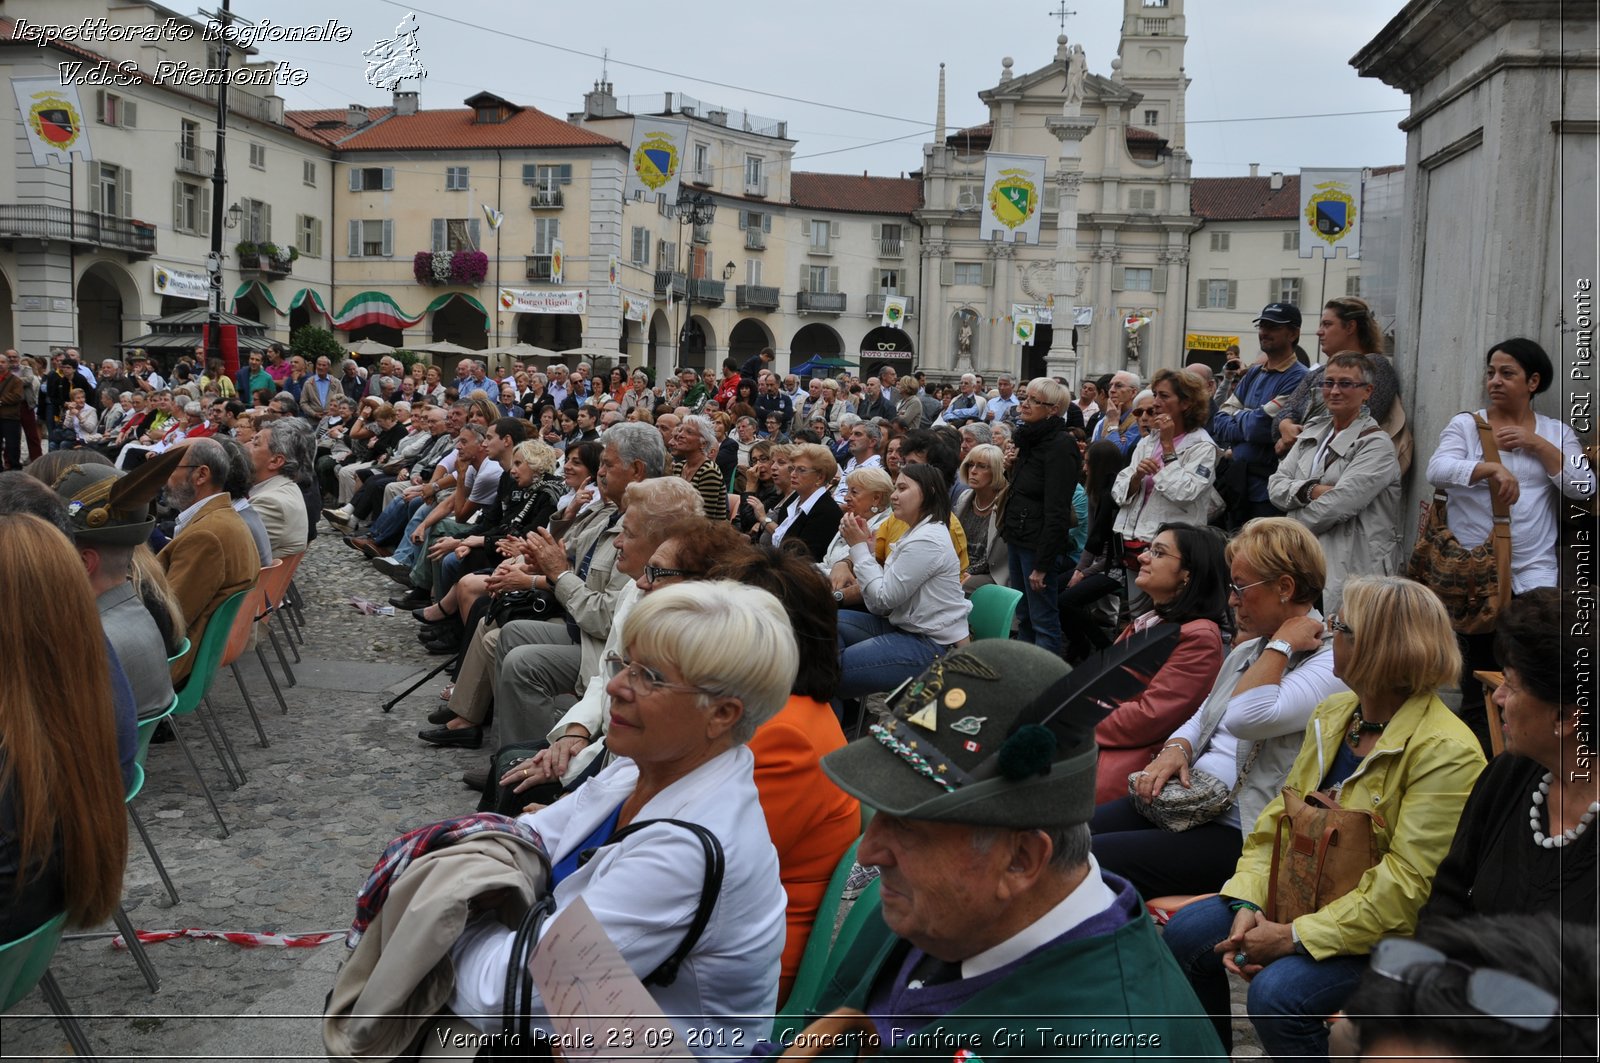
(935, 311)
(1005, 357)
(1106, 346)
(1069, 128)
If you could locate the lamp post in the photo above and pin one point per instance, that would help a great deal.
(694, 208)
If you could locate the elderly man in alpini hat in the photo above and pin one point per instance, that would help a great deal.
(998, 935)
(109, 511)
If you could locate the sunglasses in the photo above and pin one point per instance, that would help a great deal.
(1336, 623)
(1491, 992)
(654, 574)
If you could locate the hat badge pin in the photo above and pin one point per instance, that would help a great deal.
(969, 725)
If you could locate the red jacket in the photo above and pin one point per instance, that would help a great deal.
(1136, 730)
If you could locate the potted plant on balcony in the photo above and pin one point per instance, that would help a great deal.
(467, 268)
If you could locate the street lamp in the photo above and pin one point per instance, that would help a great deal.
(728, 271)
(235, 212)
(694, 208)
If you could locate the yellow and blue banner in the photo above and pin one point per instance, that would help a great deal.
(1330, 212)
(655, 158)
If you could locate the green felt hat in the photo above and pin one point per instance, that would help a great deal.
(110, 507)
(998, 733)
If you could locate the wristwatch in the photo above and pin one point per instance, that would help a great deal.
(838, 596)
(1281, 645)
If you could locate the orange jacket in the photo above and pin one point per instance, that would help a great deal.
(811, 821)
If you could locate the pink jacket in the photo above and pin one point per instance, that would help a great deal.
(1136, 730)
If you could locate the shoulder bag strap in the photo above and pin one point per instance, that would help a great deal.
(710, 888)
(1501, 535)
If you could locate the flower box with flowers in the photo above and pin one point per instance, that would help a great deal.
(450, 267)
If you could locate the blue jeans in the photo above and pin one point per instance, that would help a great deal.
(1039, 612)
(1288, 999)
(391, 522)
(408, 552)
(876, 657)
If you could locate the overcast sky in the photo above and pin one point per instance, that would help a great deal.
(1247, 59)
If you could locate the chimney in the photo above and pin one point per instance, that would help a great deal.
(405, 102)
(355, 116)
(600, 102)
(1277, 180)
(1255, 169)
(717, 117)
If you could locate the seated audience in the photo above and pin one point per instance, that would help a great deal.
(1390, 747)
(867, 492)
(1247, 732)
(983, 472)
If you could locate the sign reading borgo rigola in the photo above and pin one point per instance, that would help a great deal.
(534, 301)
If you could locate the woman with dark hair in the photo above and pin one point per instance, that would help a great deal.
(917, 609)
(1508, 987)
(1185, 575)
(745, 392)
(1540, 461)
(812, 821)
(1039, 509)
(1100, 570)
(582, 465)
(1526, 840)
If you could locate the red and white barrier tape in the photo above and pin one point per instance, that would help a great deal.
(244, 938)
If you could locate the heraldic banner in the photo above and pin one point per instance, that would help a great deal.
(53, 118)
(1330, 212)
(1024, 324)
(655, 158)
(894, 311)
(1013, 192)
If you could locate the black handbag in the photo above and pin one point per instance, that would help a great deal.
(506, 606)
(518, 1036)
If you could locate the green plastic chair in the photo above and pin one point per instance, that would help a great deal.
(25, 963)
(993, 609)
(824, 950)
(147, 728)
(190, 695)
(182, 652)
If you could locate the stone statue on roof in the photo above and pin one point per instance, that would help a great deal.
(1077, 70)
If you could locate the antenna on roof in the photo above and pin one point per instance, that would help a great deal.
(605, 60)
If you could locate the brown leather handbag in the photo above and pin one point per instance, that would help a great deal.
(1475, 584)
(1319, 854)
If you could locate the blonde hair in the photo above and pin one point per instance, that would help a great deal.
(150, 581)
(1274, 547)
(539, 456)
(726, 638)
(873, 481)
(817, 455)
(987, 454)
(57, 726)
(664, 499)
(1402, 637)
(1055, 392)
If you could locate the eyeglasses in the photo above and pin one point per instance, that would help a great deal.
(644, 681)
(1491, 992)
(1336, 623)
(1238, 591)
(654, 573)
(1343, 385)
(1149, 411)
(1160, 552)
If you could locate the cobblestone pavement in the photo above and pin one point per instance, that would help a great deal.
(339, 780)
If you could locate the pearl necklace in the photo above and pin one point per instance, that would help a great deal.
(1566, 836)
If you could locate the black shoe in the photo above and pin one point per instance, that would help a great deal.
(441, 715)
(476, 778)
(398, 571)
(442, 646)
(437, 633)
(412, 599)
(420, 615)
(465, 737)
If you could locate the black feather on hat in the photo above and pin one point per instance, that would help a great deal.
(111, 507)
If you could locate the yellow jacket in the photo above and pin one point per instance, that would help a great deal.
(1417, 778)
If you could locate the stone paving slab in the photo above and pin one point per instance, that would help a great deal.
(339, 780)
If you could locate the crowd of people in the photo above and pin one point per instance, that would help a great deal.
(669, 602)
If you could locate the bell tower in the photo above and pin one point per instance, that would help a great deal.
(1150, 61)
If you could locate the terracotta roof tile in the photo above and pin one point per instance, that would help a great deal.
(853, 194)
(452, 128)
(329, 126)
(1135, 133)
(1244, 198)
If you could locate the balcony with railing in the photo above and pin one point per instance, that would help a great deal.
(196, 161)
(539, 267)
(701, 176)
(546, 199)
(820, 302)
(40, 221)
(755, 186)
(673, 281)
(755, 297)
(875, 304)
(891, 247)
(707, 291)
(755, 240)
(702, 233)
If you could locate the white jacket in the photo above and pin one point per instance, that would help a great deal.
(918, 587)
(1358, 522)
(1180, 490)
(645, 891)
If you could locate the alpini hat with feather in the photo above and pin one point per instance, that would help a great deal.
(110, 507)
(997, 733)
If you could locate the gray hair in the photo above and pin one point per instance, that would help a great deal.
(476, 430)
(192, 407)
(1125, 377)
(662, 500)
(211, 454)
(635, 441)
(21, 492)
(241, 471)
(707, 430)
(1069, 846)
(292, 441)
(402, 407)
(979, 431)
(286, 402)
(847, 421)
(874, 433)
